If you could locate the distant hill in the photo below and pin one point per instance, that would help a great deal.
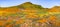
(30, 6)
(55, 9)
(26, 5)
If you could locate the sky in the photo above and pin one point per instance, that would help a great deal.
(43, 3)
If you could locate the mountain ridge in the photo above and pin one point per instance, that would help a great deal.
(29, 5)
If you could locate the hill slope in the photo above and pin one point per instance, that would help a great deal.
(29, 15)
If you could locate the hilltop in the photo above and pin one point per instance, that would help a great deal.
(29, 7)
(55, 9)
(26, 6)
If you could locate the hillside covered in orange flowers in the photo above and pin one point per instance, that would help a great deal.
(29, 15)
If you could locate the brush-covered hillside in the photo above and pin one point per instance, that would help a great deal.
(29, 15)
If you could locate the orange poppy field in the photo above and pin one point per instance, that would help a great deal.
(29, 15)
